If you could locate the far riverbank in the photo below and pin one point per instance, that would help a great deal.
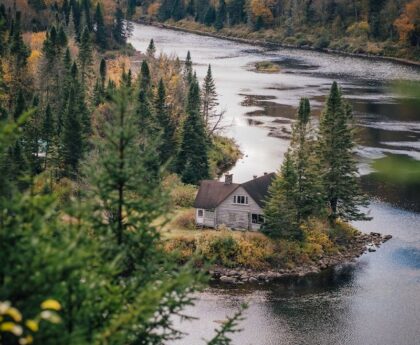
(270, 44)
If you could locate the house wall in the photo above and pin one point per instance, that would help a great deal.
(208, 219)
(237, 216)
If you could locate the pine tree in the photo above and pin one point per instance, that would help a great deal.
(85, 56)
(210, 16)
(168, 145)
(145, 77)
(201, 7)
(280, 211)
(178, 10)
(338, 166)
(192, 163)
(118, 31)
(236, 13)
(47, 133)
(308, 185)
(220, 15)
(100, 30)
(165, 10)
(188, 69)
(151, 49)
(209, 98)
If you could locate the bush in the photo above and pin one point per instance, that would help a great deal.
(322, 42)
(181, 195)
(185, 220)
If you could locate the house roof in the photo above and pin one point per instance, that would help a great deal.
(212, 193)
(257, 188)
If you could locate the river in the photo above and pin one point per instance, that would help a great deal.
(375, 300)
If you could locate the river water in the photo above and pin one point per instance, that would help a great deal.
(373, 301)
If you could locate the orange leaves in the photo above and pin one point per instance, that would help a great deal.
(153, 9)
(117, 66)
(261, 8)
(408, 20)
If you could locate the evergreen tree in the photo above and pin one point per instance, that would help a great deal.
(151, 49)
(145, 77)
(280, 211)
(192, 162)
(220, 15)
(85, 56)
(201, 7)
(131, 8)
(308, 185)
(188, 69)
(209, 98)
(236, 13)
(168, 145)
(119, 31)
(210, 16)
(20, 105)
(338, 167)
(100, 30)
(178, 10)
(47, 133)
(165, 10)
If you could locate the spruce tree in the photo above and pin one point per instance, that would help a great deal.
(192, 163)
(210, 16)
(220, 15)
(118, 31)
(100, 30)
(145, 77)
(85, 57)
(338, 167)
(151, 49)
(168, 145)
(280, 210)
(188, 69)
(178, 10)
(308, 185)
(208, 98)
(47, 133)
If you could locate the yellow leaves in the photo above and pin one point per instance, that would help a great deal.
(51, 304)
(359, 28)
(32, 325)
(11, 327)
(35, 40)
(116, 66)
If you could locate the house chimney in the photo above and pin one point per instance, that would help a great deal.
(265, 173)
(255, 176)
(228, 179)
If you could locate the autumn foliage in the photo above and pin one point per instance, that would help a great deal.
(408, 24)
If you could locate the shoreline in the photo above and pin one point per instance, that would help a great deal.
(270, 44)
(362, 244)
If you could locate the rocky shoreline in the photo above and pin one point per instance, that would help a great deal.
(361, 244)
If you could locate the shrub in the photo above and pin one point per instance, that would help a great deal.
(322, 42)
(186, 220)
(181, 195)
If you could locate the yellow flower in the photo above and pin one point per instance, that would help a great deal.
(14, 314)
(32, 325)
(51, 304)
(50, 316)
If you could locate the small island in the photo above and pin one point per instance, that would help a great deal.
(291, 223)
(266, 67)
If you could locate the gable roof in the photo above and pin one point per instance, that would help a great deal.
(257, 188)
(211, 193)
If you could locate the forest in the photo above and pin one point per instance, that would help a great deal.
(375, 27)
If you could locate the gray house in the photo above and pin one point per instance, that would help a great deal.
(237, 206)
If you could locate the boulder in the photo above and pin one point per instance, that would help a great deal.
(226, 279)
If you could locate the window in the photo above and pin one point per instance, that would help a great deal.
(200, 213)
(240, 199)
(257, 218)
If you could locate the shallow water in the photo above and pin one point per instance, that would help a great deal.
(377, 299)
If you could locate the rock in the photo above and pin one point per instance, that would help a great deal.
(226, 279)
(253, 280)
(387, 238)
(371, 249)
(375, 234)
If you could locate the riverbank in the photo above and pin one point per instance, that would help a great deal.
(203, 30)
(237, 257)
(362, 244)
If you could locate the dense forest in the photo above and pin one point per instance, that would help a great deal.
(379, 27)
(87, 140)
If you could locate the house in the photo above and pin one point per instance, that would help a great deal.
(237, 206)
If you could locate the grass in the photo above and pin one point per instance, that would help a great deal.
(246, 249)
(267, 67)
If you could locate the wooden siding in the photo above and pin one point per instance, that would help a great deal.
(237, 216)
(208, 219)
